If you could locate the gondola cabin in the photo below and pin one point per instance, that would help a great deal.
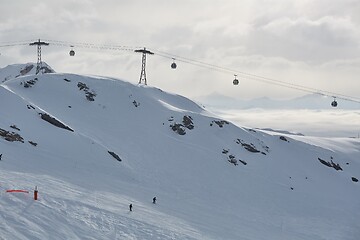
(235, 81)
(72, 53)
(334, 103)
(173, 65)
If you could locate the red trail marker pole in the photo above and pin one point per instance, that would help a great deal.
(35, 193)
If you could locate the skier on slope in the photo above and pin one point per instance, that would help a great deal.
(154, 200)
(130, 207)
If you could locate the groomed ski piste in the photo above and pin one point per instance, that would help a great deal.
(93, 145)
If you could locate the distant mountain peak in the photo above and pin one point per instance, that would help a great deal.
(18, 70)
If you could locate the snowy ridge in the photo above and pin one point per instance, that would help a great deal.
(93, 145)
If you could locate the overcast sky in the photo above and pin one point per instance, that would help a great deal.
(314, 43)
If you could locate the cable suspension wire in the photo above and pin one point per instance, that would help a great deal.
(92, 45)
(256, 77)
(194, 62)
(13, 44)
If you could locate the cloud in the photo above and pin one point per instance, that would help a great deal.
(328, 31)
(301, 39)
(324, 123)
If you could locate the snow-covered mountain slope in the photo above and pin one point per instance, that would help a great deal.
(93, 145)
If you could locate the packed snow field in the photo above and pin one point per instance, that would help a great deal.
(93, 145)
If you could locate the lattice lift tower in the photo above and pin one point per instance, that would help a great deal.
(143, 63)
(39, 62)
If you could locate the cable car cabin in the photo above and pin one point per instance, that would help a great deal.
(173, 65)
(334, 103)
(72, 53)
(236, 82)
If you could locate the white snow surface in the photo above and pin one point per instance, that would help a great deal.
(283, 191)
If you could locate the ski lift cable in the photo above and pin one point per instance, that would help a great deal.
(253, 76)
(257, 77)
(111, 48)
(96, 47)
(193, 62)
(184, 60)
(242, 75)
(14, 44)
(92, 45)
(17, 42)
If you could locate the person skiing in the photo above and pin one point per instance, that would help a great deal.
(130, 207)
(154, 200)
